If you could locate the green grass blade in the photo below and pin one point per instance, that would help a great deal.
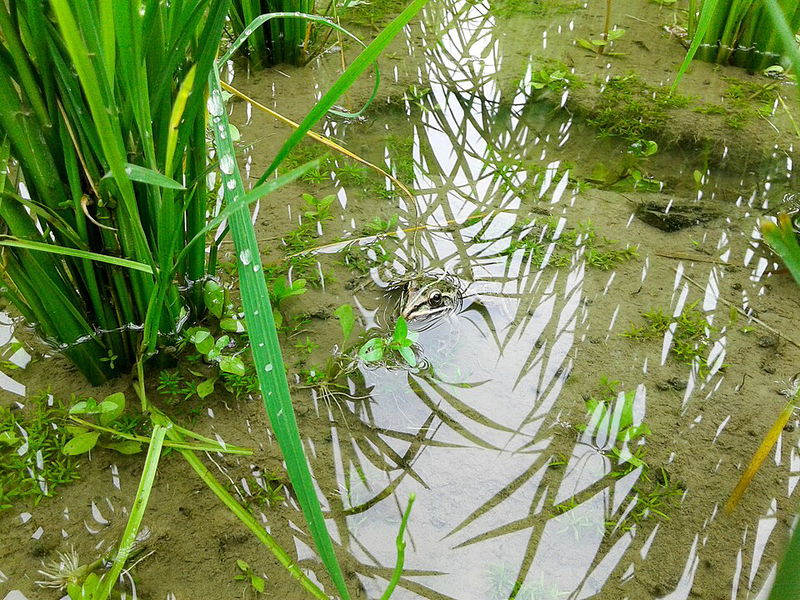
(296, 16)
(346, 79)
(64, 251)
(401, 551)
(253, 525)
(255, 297)
(137, 512)
(706, 14)
(784, 32)
(265, 346)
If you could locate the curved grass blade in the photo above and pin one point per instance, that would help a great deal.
(707, 13)
(346, 79)
(260, 20)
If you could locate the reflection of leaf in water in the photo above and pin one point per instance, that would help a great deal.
(451, 422)
(532, 476)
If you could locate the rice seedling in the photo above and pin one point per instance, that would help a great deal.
(114, 168)
(284, 40)
(746, 34)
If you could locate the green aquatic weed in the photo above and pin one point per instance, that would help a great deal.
(32, 465)
(401, 342)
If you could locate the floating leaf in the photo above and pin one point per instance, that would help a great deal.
(408, 354)
(371, 351)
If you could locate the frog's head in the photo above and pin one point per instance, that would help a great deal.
(430, 297)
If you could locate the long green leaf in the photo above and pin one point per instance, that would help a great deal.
(706, 14)
(137, 512)
(346, 79)
(65, 251)
(295, 16)
(255, 297)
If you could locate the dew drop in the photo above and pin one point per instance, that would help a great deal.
(226, 164)
(245, 256)
(268, 367)
(214, 104)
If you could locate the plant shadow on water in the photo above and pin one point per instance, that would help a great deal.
(553, 454)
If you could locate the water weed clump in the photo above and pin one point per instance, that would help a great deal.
(32, 464)
(633, 110)
(690, 330)
(547, 241)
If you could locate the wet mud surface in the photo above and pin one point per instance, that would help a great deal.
(558, 445)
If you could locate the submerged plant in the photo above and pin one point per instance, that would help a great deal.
(32, 465)
(690, 331)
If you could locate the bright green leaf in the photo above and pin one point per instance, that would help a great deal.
(400, 330)
(232, 325)
(346, 320)
(81, 443)
(408, 354)
(372, 351)
(112, 407)
(206, 387)
(150, 177)
(232, 364)
(214, 297)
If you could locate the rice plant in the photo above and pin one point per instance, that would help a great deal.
(279, 41)
(739, 32)
(103, 163)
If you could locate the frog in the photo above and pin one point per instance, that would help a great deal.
(426, 298)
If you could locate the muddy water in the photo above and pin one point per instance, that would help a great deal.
(551, 456)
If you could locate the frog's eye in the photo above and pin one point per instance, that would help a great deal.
(435, 299)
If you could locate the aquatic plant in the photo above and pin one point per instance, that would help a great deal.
(691, 334)
(32, 465)
(401, 342)
(246, 574)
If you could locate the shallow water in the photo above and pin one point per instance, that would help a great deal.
(524, 489)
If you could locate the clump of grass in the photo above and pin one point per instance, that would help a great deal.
(108, 136)
(691, 336)
(32, 464)
(536, 240)
(633, 110)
